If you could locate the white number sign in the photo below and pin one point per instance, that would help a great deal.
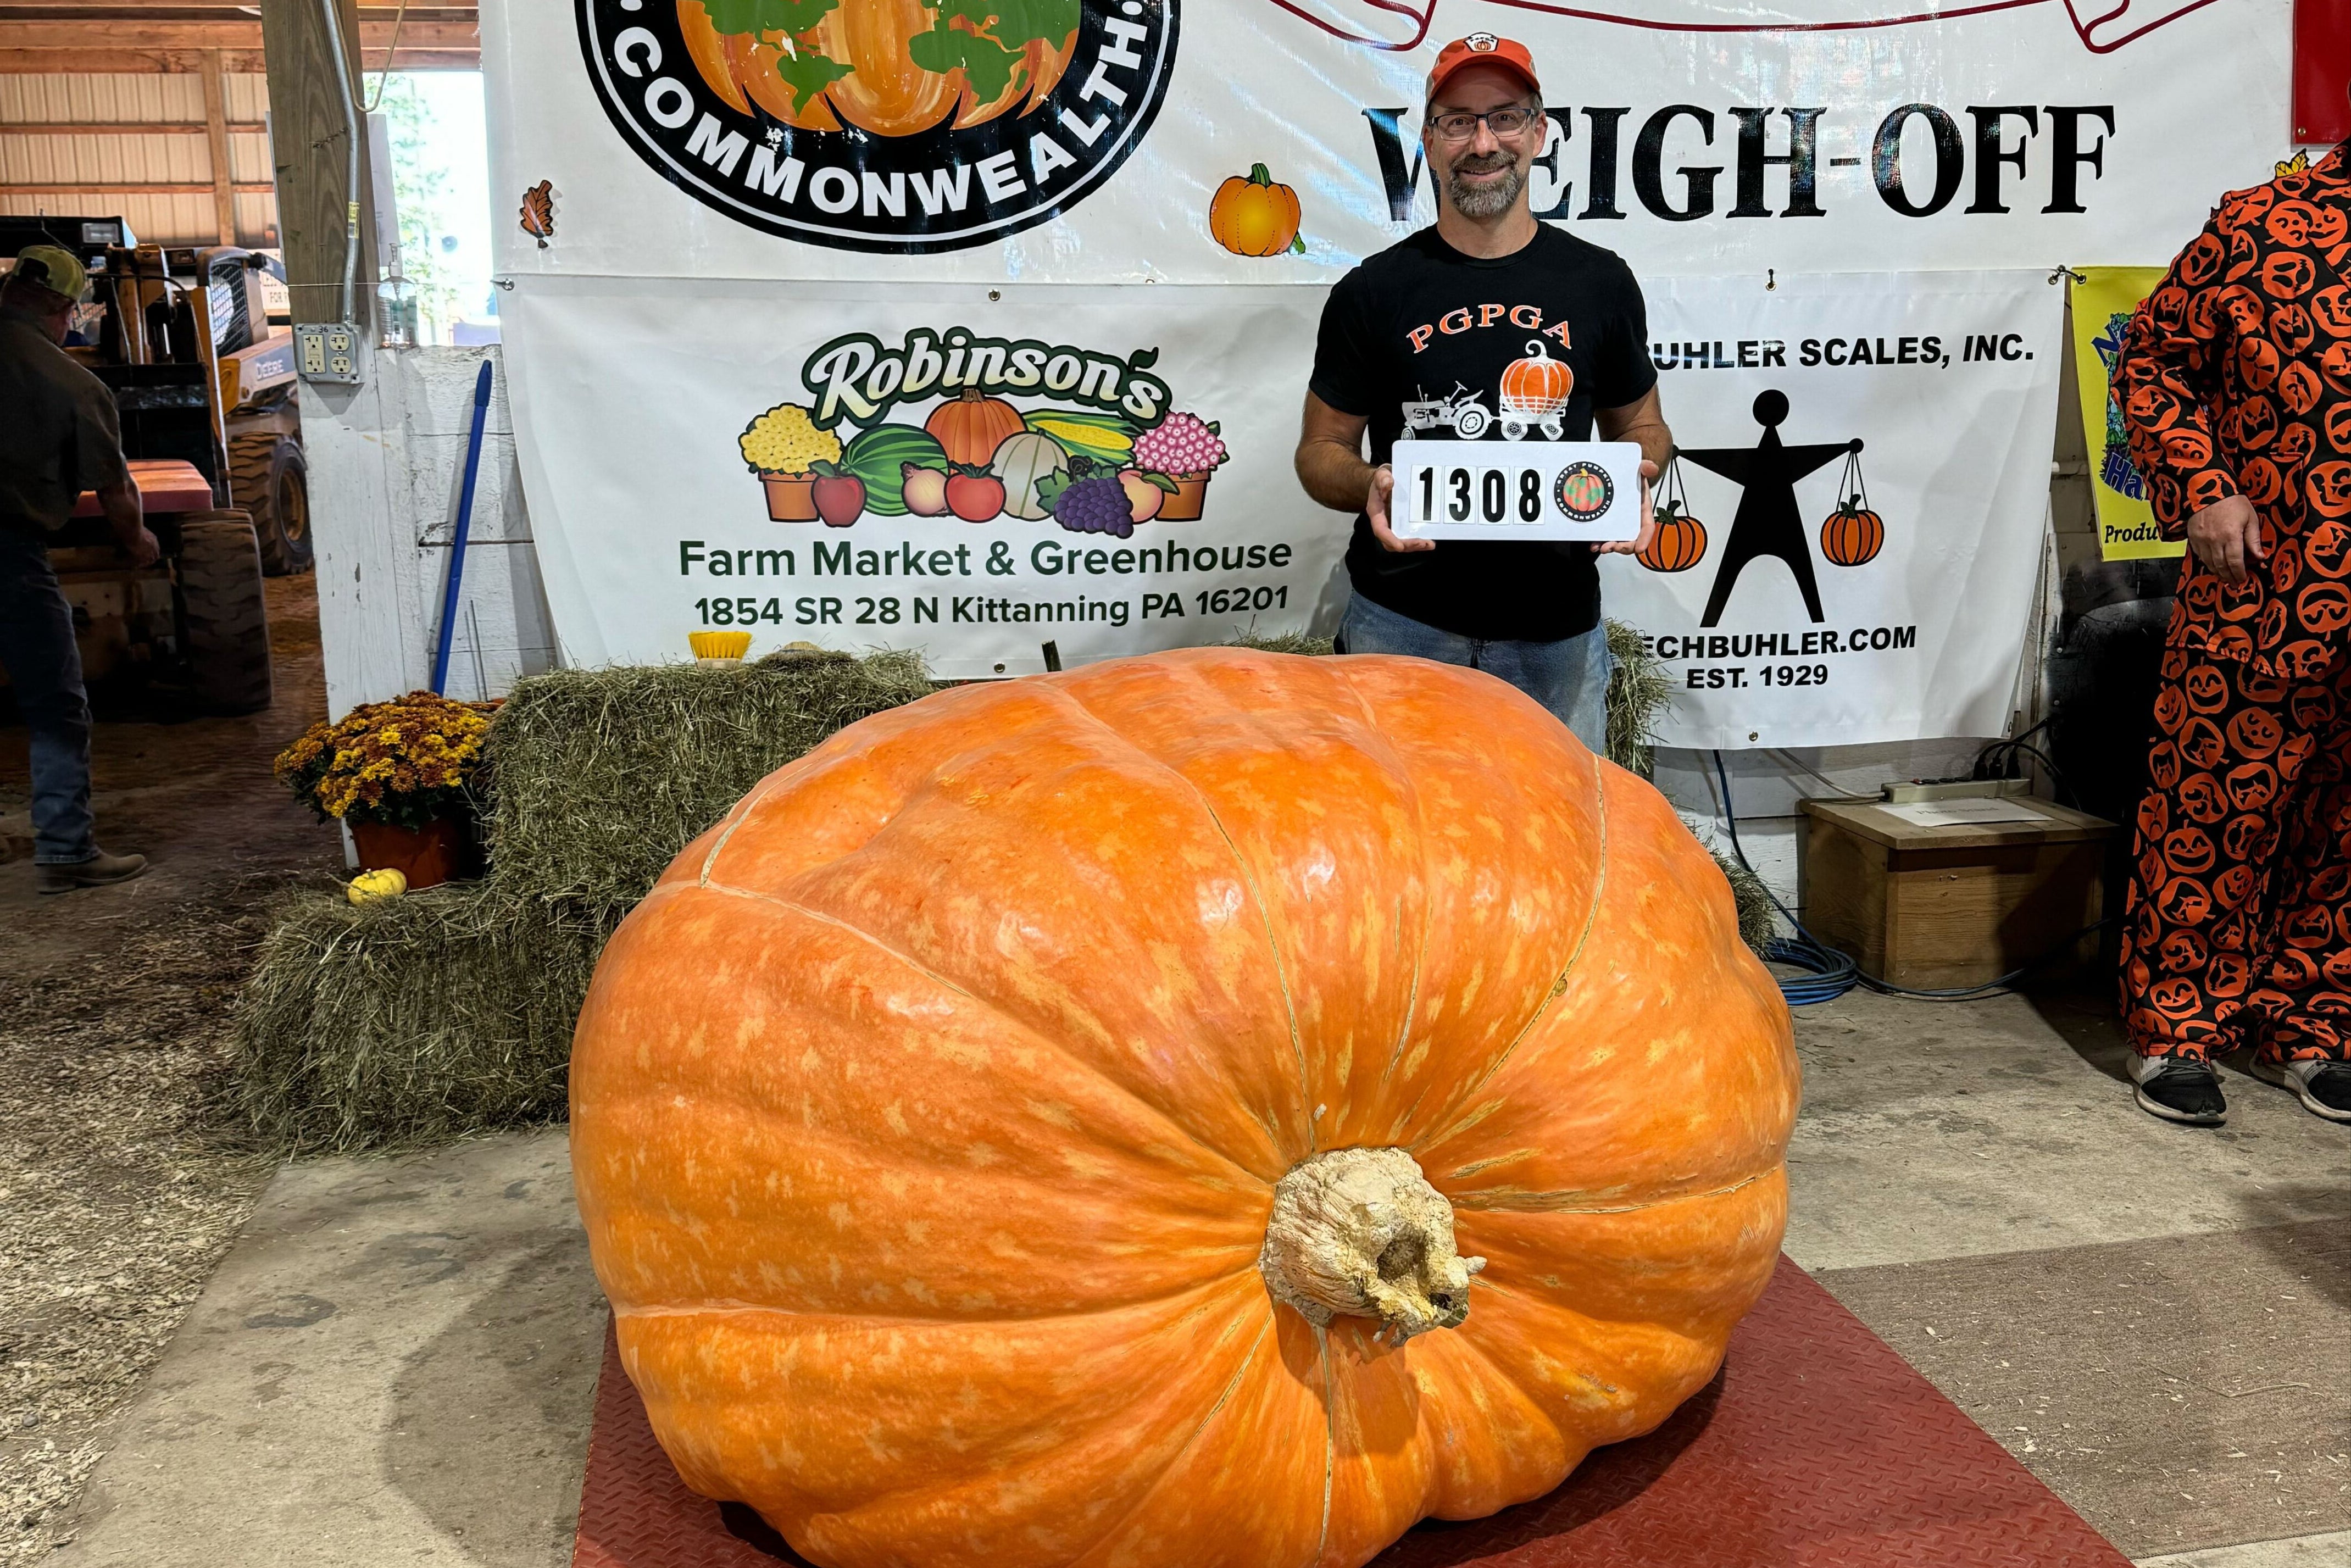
(1517, 490)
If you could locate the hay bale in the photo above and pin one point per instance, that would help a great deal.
(419, 1019)
(601, 777)
(1759, 917)
(1638, 690)
(409, 1022)
(1291, 643)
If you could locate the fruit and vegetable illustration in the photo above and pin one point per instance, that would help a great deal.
(979, 457)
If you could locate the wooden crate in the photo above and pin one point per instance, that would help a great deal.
(1958, 904)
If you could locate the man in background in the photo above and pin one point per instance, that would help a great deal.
(58, 438)
(2235, 384)
(1452, 308)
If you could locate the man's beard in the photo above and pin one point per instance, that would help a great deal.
(1489, 200)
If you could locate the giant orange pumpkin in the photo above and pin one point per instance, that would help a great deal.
(1003, 1137)
(880, 88)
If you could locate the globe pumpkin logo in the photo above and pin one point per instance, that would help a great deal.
(908, 126)
(1583, 491)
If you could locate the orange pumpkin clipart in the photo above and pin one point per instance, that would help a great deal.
(891, 68)
(1255, 216)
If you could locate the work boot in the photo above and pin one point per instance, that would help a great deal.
(2323, 1087)
(102, 870)
(2179, 1089)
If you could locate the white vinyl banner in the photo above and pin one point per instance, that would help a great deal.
(978, 474)
(1278, 140)
(1850, 529)
(849, 321)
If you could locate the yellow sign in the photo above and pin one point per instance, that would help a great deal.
(2102, 302)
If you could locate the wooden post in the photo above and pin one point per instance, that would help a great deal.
(307, 126)
(216, 134)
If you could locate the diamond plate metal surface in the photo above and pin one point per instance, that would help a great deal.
(1816, 1448)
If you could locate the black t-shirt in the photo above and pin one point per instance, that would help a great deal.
(1421, 323)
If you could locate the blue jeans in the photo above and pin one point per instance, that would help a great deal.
(1569, 676)
(36, 647)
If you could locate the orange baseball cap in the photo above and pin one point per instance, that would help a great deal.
(1481, 48)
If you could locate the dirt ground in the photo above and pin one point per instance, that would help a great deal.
(120, 1183)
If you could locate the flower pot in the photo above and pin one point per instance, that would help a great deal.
(427, 856)
(791, 498)
(1183, 506)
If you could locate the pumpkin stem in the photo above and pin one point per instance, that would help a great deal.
(1361, 1233)
(1260, 175)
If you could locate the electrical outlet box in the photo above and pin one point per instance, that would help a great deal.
(1955, 789)
(328, 351)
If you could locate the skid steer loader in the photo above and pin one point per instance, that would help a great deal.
(182, 336)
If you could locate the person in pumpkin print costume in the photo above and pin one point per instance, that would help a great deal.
(2234, 382)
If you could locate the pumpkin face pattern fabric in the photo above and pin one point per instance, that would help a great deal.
(2238, 914)
(2235, 379)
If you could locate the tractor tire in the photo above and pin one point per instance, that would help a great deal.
(224, 613)
(270, 478)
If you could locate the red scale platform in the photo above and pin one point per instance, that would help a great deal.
(1817, 1447)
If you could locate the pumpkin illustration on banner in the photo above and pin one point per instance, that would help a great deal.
(973, 425)
(1679, 542)
(1058, 1178)
(1253, 217)
(1852, 534)
(891, 67)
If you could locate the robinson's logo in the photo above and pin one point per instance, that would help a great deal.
(889, 125)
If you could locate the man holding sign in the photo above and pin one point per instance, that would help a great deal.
(1487, 325)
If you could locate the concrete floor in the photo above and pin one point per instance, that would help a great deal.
(396, 1361)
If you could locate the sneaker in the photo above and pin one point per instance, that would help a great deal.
(2323, 1087)
(2179, 1089)
(102, 870)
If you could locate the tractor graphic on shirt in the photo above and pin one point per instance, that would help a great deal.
(1458, 410)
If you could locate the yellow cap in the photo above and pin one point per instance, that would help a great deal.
(58, 271)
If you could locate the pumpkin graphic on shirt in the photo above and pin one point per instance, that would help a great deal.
(1534, 394)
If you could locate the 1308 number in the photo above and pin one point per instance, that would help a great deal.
(1489, 495)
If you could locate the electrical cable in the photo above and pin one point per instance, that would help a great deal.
(352, 133)
(1800, 766)
(1830, 974)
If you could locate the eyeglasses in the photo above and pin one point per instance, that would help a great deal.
(1461, 125)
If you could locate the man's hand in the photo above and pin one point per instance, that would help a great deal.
(1639, 541)
(2227, 538)
(126, 515)
(1376, 508)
